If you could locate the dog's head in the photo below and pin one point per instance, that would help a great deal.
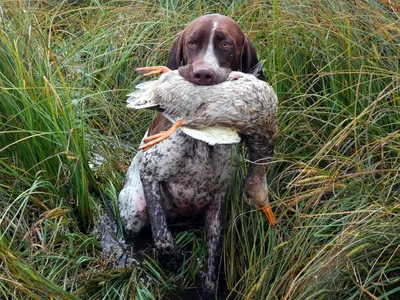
(210, 48)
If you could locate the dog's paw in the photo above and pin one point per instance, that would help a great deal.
(208, 285)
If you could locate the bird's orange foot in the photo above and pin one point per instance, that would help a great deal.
(152, 140)
(269, 213)
(146, 71)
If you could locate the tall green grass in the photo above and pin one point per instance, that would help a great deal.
(65, 68)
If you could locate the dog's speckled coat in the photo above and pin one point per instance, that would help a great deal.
(179, 176)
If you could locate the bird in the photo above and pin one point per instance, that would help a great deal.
(240, 108)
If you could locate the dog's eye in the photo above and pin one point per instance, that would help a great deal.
(225, 45)
(192, 45)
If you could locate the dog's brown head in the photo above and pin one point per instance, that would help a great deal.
(210, 48)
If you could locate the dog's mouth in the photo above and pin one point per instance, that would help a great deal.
(204, 75)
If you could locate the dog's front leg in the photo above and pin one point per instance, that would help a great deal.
(162, 237)
(214, 227)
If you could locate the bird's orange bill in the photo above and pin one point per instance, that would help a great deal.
(146, 71)
(269, 213)
(152, 140)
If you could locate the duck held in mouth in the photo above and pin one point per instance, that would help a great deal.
(241, 107)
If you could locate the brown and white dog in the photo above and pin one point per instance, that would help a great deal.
(182, 176)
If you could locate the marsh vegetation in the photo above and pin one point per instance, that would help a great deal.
(66, 140)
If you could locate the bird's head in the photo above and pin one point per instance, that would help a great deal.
(256, 193)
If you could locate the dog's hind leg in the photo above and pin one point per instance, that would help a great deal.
(132, 202)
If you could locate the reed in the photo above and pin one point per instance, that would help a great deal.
(66, 140)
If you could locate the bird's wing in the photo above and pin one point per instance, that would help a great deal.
(143, 96)
(213, 135)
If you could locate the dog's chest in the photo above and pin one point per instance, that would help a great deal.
(192, 174)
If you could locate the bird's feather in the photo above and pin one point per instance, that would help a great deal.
(214, 114)
(213, 135)
(143, 96)
(257, 68)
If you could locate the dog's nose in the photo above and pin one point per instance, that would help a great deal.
(204, 76)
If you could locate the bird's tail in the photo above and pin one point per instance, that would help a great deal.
(258, 68)
(142, 97)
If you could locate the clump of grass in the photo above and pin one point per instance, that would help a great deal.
(334, 181)
(334, 177)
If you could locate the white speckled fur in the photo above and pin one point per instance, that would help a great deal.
(188, 177)
(191, 169)
(132, 202)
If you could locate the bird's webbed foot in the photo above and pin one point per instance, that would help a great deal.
(152, 140)
(146, 71)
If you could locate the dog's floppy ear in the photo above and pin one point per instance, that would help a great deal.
(249, 59)
(175, 57)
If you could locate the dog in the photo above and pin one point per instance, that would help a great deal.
(182, 176)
